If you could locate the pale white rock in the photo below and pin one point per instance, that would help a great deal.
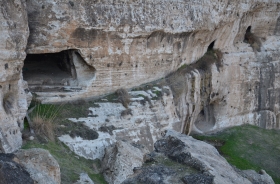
(144, 126)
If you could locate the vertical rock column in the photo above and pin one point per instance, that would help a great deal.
(13, 90)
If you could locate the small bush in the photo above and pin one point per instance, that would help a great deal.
(123, 97)
(43, 117)
(126, 112)
(43, 127)
(253, 40)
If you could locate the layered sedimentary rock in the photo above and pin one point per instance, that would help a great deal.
(13, 90)
(126, 43)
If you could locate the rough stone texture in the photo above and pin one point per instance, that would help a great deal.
(148, 120)
(198, 179)
(208, 166)
(254, 177)
(12, 172)
(40, 164)
(141, 40)
(128, 41)
(13, 90)
(199, 155)
(120, 159)
(84, 179)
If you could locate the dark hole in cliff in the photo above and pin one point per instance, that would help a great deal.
(62, 71)
(211, 46)
(252, 39)
(206, 119)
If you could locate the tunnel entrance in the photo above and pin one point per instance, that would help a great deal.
(62, 71)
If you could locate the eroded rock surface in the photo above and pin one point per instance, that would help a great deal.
(13, 90)
(13, 172)
(150, 114)
(40, 164)
(120, 159)
(207, 165)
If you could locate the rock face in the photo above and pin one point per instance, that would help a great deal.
(13, 90)
(40, 164)
(108, 45)
(83, 48)
(209, 166)
(149, 115)
(120, 159)
(13, 172)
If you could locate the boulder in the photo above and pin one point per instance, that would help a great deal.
(12, 172)
(120, 159)
(40, 164)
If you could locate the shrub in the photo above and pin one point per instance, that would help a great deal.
(253, 40)
(43, 117)
(126, 112)
(123, 97)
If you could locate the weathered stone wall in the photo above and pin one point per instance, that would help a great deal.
(128, 41)
(13, 90)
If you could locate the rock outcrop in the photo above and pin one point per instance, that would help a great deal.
(151, 112)
(13, 172)
(205, 164)
(120, 159)
(40, 164)
(79, 49)
(110, 45)
(13, 90)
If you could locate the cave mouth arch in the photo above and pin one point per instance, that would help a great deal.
(211, 46)
(63, 71)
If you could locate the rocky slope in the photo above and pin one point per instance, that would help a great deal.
(181, 159)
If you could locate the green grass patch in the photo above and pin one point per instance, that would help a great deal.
(70, 164)
(249, 147)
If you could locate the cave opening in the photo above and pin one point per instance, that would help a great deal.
(247, 34)
(56, 71)
(211, 46)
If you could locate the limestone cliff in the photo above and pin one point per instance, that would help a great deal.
(132, 42)
(13, 90)
(84, 48)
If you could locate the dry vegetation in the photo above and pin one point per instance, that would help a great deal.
(42, 118)
(123, 97)
(253, 40)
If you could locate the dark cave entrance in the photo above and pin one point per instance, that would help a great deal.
(211, 46)
(56, 71)
(247, 34)
(48, 69)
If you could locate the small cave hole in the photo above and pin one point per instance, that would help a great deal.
(211, 46)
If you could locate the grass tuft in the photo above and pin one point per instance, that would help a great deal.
(43, 117)
(123, 97)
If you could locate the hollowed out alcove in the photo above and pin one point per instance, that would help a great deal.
(62, 71)
(206, 120)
